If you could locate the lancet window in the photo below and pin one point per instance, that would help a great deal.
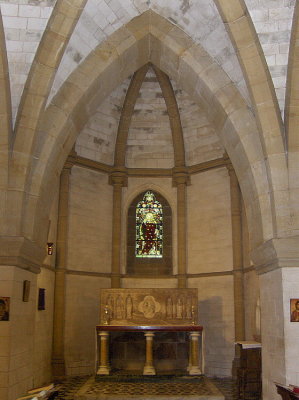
(149, 235)
(149, 227)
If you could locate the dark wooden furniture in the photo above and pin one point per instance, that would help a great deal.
(249, 380)
(286, 393)
(195, 366)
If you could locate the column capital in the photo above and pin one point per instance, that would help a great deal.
(194, 334)
(180, 176)
(231, 169)
(149, 334)
(228, 164)
(119, 176)
(71, 160)
(103, 334)
(276, 253)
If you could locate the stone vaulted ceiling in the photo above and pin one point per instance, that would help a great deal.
(69, 65)
(25, 21)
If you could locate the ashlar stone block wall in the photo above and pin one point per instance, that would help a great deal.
(89, 266)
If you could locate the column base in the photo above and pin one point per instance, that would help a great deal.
(102, 370)
(194, 371)
(148, 370)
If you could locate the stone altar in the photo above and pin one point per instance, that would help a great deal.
(150, 311)
(149, 307)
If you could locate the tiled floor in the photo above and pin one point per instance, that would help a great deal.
(70, 386)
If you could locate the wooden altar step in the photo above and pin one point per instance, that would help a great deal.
(151, 388)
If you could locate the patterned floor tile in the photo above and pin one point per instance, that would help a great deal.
(70, 386)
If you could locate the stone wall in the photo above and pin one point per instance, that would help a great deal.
(43, 334)
(16, 352)
(273, 339)
(90, 227)
(209, 222)
(24, 24)
(273, 22)
(251, 296)
(290, 277)
(216, 314)
(82, 315)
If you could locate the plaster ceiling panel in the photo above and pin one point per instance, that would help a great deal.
(24, 22)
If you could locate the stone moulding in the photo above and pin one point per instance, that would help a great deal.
(131, 307)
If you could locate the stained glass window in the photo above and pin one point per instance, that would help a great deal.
(149, 227)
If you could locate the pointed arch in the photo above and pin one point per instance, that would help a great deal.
(292, 117)
(174, 118)
(248, 49)
(6, 125)
(151, 38)
(127, 112)
(126, 116)
(139, 261)
(47, 59)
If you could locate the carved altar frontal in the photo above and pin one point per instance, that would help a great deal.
(149, 306)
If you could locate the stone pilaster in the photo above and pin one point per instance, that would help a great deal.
(236, 218)
(58, 361)
(180, 180)
(277, 263)
(118, 179)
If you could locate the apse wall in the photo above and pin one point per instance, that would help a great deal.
(43, 325)
(209, 262)
(88, 265)
(89, 260)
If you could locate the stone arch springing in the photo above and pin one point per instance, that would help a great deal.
(195, 72)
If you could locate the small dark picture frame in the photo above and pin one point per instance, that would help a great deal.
(26, 290)
(294, 310)
(41, 299)
(4, 308)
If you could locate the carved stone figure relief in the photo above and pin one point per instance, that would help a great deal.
(149, 306)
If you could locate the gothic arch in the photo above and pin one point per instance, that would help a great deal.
(128, 108)
(244, 38)
(150, 37)
(292, 116)
(36, 91)
(6, 128)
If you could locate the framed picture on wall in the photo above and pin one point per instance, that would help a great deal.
(41, 299)
(294, 310)
(4, 308)
(26, 290)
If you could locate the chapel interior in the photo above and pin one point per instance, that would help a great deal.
(106, 105)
